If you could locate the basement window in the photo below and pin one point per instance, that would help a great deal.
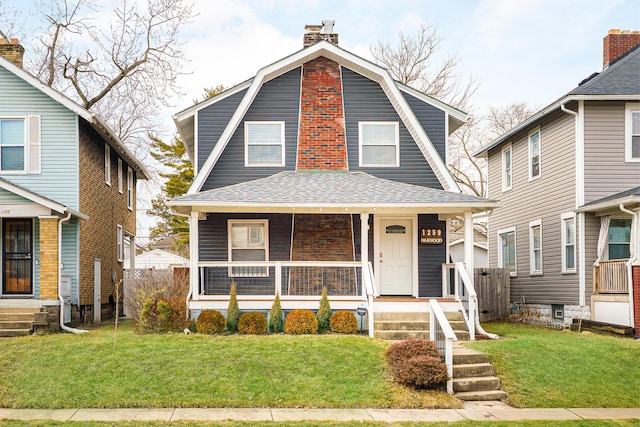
(557, 311)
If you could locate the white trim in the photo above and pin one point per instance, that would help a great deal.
(24, 145)
(580, 191)
(515, 246)
(629, 110)
(450, 112)
(120, 242)
(281, 143)
(396, 144)
(582, 250)
(107, 164)
(530, 155)
(355, 63)
(414, 247)
(120, 175)
(196, 144)
(563, 243)
(265, 225)
(508, 147)
(34, 141)
(130, 185)
(532, 263)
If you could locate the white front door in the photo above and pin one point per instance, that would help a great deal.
(396, 257)
(97, 300)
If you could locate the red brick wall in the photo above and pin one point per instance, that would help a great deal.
(322, 142)
(322, 238)
(617, 43)
(636, 298)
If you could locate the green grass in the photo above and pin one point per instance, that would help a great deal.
(177, 370)
(548, 368)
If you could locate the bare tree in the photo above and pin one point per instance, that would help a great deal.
(503, 119)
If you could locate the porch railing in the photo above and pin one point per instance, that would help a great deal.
(442, 334)
(456, 282)
(287, 278)
(610, 277)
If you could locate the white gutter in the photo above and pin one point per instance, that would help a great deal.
(632, 259)
(62, 325)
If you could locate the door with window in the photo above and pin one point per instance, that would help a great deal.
(17, 257)
(396, 257)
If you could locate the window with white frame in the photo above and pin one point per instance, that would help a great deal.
(379, 144)
(535, 246)
(107, 164)
(632, 133)
(119, 175)
(534, 154)
(120, 244)
(130, 185)
(507, 250)
(20, 144)
(619, 239)
(248, 242)
(568, 242)
(507, 174)
(264, 144)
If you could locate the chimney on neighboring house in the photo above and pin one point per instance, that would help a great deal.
(314, 33)
(12, 50)
(617, 43)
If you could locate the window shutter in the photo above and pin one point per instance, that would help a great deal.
(34, 143)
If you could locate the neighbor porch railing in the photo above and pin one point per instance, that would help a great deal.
(610, 277)
(371, 291)
(442, 334)
(287, 278)
(457, 283)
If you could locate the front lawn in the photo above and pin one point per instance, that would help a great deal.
(177, 370)
(547, 368)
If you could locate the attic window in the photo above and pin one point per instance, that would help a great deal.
(379, 144)
(264, 143)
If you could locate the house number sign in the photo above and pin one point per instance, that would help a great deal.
(431, 236)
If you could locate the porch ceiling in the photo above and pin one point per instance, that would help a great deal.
(329, 193)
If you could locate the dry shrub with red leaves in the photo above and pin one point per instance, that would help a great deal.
(417, 363)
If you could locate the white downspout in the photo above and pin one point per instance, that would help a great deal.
(633, 257)
(62, 325)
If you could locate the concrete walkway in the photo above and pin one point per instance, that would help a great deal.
(476, 411)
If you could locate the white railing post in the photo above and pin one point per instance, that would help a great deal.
(278, 273)
(194, 276)
(438, 321)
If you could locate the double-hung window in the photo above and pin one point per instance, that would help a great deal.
(248, 242)
(20, 144)
(130, 184)
(120, 242)
(632, 133)
(507, 171)
(379, 144)
(507, 250)
(107, 164)
(534, 154)
(119, 175)
(568, 242)
(264, 144)
(535, 246)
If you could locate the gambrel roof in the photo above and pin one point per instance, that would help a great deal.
(185, 120)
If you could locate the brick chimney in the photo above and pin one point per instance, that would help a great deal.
(314, 33)
(617, 43)
(12, 50)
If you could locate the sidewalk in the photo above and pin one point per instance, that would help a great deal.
(484, 411)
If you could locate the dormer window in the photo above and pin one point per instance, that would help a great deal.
(379, 144)
(264, 144)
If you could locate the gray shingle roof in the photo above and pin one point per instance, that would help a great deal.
(621, 78)
(615, 198)
(337, 189)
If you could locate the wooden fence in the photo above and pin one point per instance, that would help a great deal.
(493, 289)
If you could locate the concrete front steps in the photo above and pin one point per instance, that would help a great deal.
(473, 376)
(397, 326)
(20, 321)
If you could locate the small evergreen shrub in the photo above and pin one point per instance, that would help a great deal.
(276, 321)
(233, 312)
(404, 350)
(324, 312)
(344, 322)
(300, 322)
(254, 323)
(421, 372)
(210, 322)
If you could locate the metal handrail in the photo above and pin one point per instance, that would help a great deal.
(441, 332)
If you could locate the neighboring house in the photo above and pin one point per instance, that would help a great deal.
(67, 199)
(456, 241)
(568, 181)
(158, 259)
(321, 171)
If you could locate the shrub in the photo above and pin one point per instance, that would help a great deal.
(422, 372)
(233, 312)
(404, 350)
(276, 323)
(252, 323)
(324, 312)
(300, 322)
(344, 322)
(210, 322)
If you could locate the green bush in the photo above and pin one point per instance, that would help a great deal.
(300, 322)
(403, 350)
(421, 372)
(324, 312)
(210, 322)
(276, 322)
(254, 323)
(233, 312)
(344, 322)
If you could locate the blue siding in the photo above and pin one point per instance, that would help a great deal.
(431, 258)
(70, 260)
(277, 100)
(7, 197)
(59, 134)
(364, 100)
(432, 120)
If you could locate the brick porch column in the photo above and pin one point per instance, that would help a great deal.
(48, 257)
(635, 273)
